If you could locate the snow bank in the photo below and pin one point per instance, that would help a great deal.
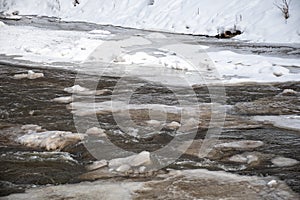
(237, 68)
(261, 21)
(42, 45)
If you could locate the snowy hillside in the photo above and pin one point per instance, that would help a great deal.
(261, 21)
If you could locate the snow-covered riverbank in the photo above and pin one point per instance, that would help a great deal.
(260, 21)
(54, 47)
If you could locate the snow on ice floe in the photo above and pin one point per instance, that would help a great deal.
(50, 140)
(31, 128)
(240, 145)
(95, 131)
(30, 75)
(135, 161)
(67, 99)
(244, 158)
(284, 162)
(282, 121)
(77, 89)
(167, 61)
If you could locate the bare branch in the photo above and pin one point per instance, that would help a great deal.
(284, 7)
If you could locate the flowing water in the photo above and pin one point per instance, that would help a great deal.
(30, 102)
(25, 101)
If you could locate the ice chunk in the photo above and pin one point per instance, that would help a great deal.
(173, 125)
(68, 99)
(75, 89)
(123, 168)
(140, 159)
(288, 92)
(50, 140)
(243, 144)
(272, 183)
(97, 165)
(31, 127)
(153, 123)
(284, 162)
(244, 158)
(96, 131)
(30, 75)
(20, 76)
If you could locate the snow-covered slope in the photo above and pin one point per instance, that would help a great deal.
(261, 21)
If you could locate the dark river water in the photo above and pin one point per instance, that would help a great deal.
(20, 97)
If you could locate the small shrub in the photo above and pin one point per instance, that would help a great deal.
(151, 2)
(284, 7)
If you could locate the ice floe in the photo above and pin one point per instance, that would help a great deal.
(30, 75)
(67, 99)
(95, 131)
(241, 145)
(291, 122)
(284, 162)
(77, 89)
(141, 159)
(50, 140)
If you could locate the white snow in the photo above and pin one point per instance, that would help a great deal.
(56, 46)
(260, 21)
(167, 60)
(124, 164)
(284, 162)
(237, 68)
(282, 121)
(48, 46)
(30, 75)
(243, 144)
(75, 89)
(96, 132)
(101, 32)
(50, 140)
(244, 158)
(173, 125)
(2, 24)
(272, 183)
(67, 99)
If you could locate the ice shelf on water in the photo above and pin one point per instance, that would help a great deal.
(282, 121)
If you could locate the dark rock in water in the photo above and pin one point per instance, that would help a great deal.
(7, 188)
(228, 34)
